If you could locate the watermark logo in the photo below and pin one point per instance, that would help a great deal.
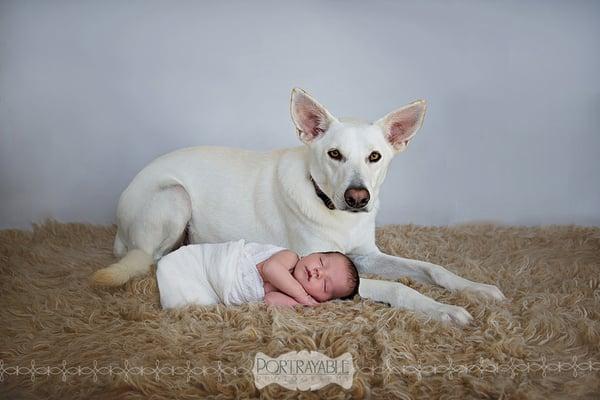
(304, 370)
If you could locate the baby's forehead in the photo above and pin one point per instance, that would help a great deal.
(337, 258)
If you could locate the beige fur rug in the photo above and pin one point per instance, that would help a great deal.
(544, 343)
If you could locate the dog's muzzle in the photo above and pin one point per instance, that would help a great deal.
(357, 198)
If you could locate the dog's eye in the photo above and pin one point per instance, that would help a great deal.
(374, 156)
(335, 154)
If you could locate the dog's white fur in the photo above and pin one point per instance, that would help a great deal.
(221, 194)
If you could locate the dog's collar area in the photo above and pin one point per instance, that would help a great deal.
(326, 200)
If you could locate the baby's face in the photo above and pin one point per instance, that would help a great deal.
(323, 276)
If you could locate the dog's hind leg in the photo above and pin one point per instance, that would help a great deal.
(119, 248)
(146, 233)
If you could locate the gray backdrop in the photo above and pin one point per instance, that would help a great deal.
(91, 91)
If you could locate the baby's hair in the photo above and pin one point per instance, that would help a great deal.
(352, 274)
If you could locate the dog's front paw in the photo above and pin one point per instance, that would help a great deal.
(448, 313)
(489, 291)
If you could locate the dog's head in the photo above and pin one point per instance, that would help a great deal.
(348, 159)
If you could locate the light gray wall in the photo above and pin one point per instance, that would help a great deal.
(91, 91)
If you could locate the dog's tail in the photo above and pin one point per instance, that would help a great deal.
(135, 263)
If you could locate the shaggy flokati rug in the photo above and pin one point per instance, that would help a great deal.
(88, 342)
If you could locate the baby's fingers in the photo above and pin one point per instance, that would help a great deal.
(312, 302)
(307, 300)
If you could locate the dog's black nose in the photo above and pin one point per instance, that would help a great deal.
(357, 197)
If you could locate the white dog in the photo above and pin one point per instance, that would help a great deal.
(320, 196)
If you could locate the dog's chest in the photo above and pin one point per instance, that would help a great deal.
(308, 238)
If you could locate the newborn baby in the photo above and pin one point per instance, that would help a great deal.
(240, 272)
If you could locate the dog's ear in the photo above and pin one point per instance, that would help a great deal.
(400, 126)
(311, 119)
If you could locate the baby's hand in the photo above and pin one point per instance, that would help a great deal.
(308, 300)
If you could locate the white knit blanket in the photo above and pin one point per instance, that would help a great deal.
(203, 274)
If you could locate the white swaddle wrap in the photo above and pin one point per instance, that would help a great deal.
(212, 273)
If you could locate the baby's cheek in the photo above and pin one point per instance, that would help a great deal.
(314, 292)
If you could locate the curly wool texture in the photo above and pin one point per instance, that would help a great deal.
(550, 274)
